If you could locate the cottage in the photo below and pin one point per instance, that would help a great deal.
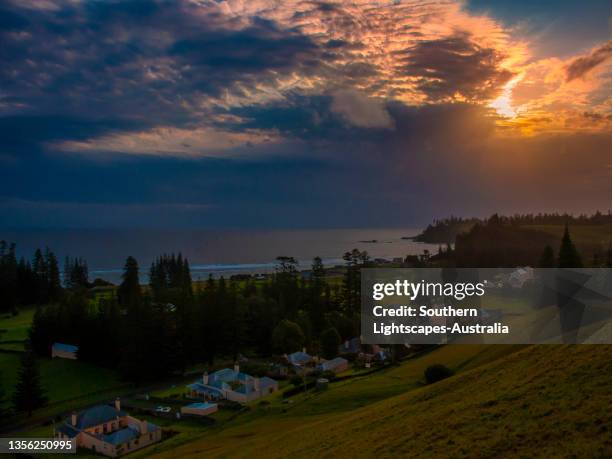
(64, 351)
(337, 365)
(108, 430)
(301, 361)
(231, 385)
(200, 408)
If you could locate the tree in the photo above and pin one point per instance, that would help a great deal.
(547, 260)
(54, 284)
(287, 337)
(330, 340)
(129, 293)
(3, 408)
(285, 285)
(351, 285)
(568, 255)
(317, 300)
(76, 273)
(39, 266)
(29, 394)
(8, 276)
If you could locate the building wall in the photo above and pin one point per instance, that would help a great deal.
(85, 440)
(340, 368)
(199, 411)
(63, 354)
(144, 440)
(111, 426)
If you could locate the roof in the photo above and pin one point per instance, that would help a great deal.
(68, 430)
(201, 405)
(227, 375)
(122, 436)
(97, 415)
(266, 382)
(299, 357)
(333, 363)
(65, 347)
(199, 387)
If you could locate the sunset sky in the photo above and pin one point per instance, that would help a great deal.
(301, 113)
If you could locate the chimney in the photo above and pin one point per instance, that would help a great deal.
(304, 350)
(118, 404)
(73, 418)
(144, 427)
(236, 367)
(256, 384)
(205, 378)
(346, 345)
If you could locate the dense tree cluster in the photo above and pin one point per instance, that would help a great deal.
(447, 229)
(151, 331)
(148, 331)
(23, 282)
(76, 273)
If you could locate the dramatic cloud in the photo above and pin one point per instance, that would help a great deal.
(171, 141)
(584, 64)
(455, 67)
(319, 111)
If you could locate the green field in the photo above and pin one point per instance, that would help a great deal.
(541, 401)
(63, 380)
(342, 397)
(15, 328)
(67, 383)
(588, 238)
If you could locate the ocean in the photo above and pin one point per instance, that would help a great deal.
(216, 252)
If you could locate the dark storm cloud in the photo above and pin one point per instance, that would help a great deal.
(141, 63)
(584, 64)
(23, 134)
(450, 66)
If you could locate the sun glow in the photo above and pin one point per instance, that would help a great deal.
(503, 104)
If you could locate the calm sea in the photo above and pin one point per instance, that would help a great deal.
(213, 251)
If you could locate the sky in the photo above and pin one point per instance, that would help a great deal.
(299, 114)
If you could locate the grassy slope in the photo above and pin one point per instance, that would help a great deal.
(543, 401)
(62, 379)
(342, 397)
(588, 238)
(15, 328)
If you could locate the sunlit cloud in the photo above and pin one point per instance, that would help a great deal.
(177, 73)
(162, 141)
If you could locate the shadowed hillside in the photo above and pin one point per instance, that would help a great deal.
(543, 401)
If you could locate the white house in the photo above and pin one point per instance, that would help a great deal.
(301, 361)
(232, 385)
(108, 430)
(337, 365)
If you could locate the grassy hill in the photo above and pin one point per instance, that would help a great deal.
(67, 383)
(541, 401)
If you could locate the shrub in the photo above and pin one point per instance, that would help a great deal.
(296, 380)
(438, 372)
